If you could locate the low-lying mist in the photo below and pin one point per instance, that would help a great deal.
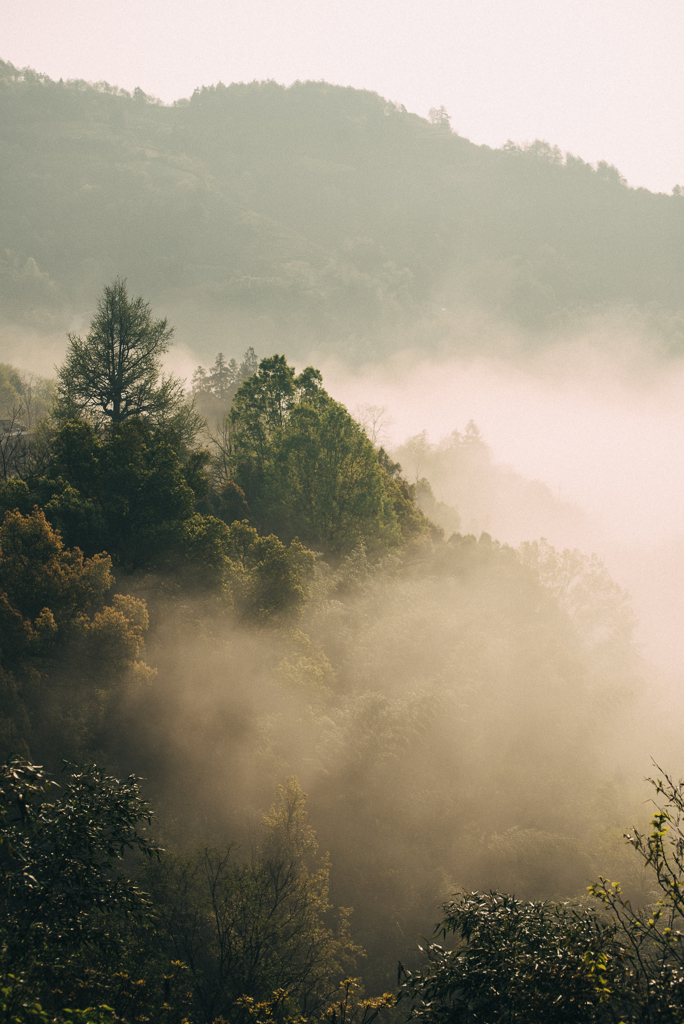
(585, 439)
(464, 717)
(479, 715)
(481, 712)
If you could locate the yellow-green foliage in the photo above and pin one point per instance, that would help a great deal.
(44, 587)
(60, 632)
(266, 577)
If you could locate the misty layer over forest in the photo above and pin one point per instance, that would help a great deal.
(317, 216)
(321, 680)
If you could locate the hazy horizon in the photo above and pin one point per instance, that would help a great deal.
(435, 590)
(599, 426)
(602, 82)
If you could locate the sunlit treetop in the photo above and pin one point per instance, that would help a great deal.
(115, 372)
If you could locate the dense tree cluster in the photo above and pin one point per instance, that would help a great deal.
(258, 603)
(307, 469)
(208, 938)
(121, 482)
(213, 390)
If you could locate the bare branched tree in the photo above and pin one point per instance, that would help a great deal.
(376, 422)
(14, 442)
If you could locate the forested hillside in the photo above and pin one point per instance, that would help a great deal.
(263, 617)
(317, 215)
(270, 706)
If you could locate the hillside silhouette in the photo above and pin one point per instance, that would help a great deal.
(316, 214)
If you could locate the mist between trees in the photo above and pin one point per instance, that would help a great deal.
(250, 606)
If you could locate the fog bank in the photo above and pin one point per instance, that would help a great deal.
(600, 424)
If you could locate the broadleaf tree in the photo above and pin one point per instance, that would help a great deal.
(66, 903)
(305, 466)
(258, 931)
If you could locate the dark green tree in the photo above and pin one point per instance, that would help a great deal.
(66, 906)
(306, 467)
(515, 961)
(125, 492)
(327, 485)
(115, 372)
(44, 587)
(67, 646)
(264, 576)
(251, 932)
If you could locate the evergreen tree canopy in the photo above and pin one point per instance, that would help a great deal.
(115, 372)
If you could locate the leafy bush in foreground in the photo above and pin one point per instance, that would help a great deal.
(550, 962)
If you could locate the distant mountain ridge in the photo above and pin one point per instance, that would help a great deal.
(314, 213)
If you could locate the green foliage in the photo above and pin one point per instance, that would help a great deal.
(147, 496)
(394, 653)
(64, 899)
(18, 1007)
(562, 962)
(513, 961)
(201, 557)
(266, 577)
(306, 467)
(115, 372)
(226, 501)
(64, 652)
(44, 586)
(15, 496)
(250, 930)
(326, 483)
(262, 407)
(126, 492)
(653, 936)
(350, 1008)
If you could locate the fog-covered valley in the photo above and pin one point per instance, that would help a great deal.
(351, 527)
(584, 443)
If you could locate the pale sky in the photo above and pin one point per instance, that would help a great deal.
(603, 79)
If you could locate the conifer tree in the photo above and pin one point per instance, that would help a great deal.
(115, 372)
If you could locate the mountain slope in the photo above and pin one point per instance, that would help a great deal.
(313, 212)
